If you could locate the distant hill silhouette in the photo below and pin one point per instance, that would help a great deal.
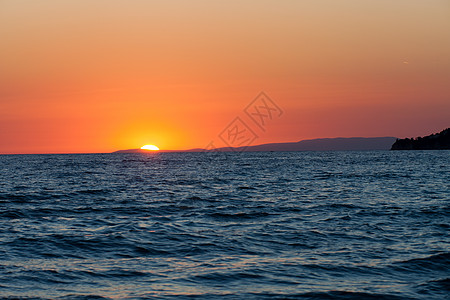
(326, 144)
(437, 141)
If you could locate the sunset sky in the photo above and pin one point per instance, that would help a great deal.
(103, 75)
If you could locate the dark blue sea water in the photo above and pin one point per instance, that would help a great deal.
(293, 225)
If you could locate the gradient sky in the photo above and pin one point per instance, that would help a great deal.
(103, 75)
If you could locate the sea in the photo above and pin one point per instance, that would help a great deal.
(235, 225)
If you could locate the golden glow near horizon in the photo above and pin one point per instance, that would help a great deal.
(98, 76)
(150, 147)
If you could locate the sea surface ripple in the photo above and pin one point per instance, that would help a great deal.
(261, 225)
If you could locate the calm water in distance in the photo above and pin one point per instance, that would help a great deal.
(295, 225)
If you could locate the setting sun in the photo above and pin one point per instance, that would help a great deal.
(150, 147)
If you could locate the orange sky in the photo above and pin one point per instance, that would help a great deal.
(99, 76)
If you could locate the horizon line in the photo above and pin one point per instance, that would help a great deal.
(205, 150)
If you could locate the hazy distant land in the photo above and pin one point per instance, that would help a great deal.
(324, 144)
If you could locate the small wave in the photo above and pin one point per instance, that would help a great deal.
(435, 211)
(435, 287)
(114, 273)
(246, 188)
(15, 198)
(92, 192)
(28, 197)
(12, 214)
(239, 216)
(198, 200)
(344, 205)
(149, 251)
(227, 277)
(334, 206)
(82, 297)
(437, 262)
(330, 295)
(22, 298)
(343, 269)
(334, 295)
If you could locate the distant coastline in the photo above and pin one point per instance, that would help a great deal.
(324, 144)
(437, 141)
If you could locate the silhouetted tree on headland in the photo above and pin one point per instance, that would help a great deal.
(437, 141)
